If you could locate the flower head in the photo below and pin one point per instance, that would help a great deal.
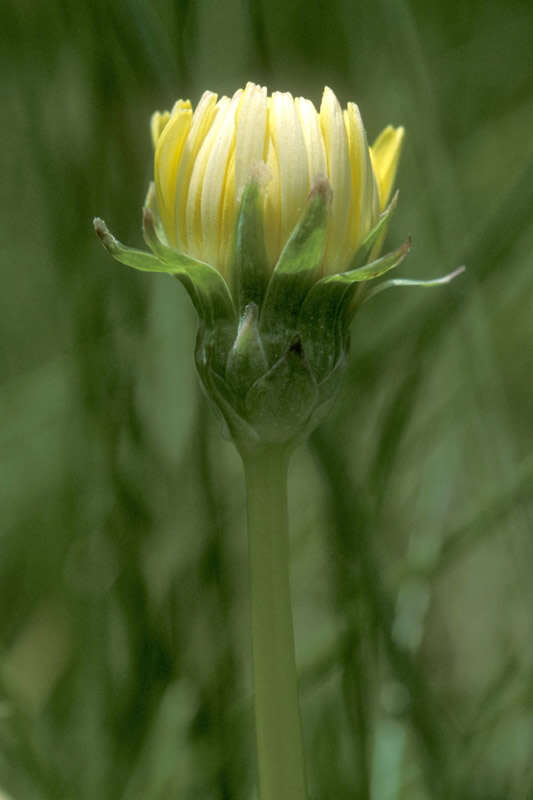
(204, 159)
(271, 214)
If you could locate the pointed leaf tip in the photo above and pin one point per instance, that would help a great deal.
(395, 282)
(454, 274)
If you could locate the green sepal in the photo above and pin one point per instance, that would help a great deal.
(374, 236)
(373, 270)
(218, 341)
(279, 404)
(391, 284)
(328, 391)
(214, 299)
(240, 431)
(247, 359)
(205, 286)
(223, 400)
(296, 271)
(138, 259)
(326, 312)
(250, 271)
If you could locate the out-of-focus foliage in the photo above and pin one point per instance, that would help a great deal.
(123, 627)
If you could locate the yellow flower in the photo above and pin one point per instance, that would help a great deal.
(204, 158)
(249, 183)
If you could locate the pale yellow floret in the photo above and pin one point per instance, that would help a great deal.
(251, 134)
(193, 191)
(228, 217)
(272, 217)
(289, 144)
(314, 143)
(214, 180)
(358, 151)
(204, 160)
(167, 155)
(339, 173)
(202, 120)
(364, 202)
(385, 153)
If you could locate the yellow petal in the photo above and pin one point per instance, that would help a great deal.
(228, 215)
(167, 156)
(214, 181)
(193, 196)
(272, 204)
(362, 207)
(202, 120)
(385, 153)
(339, 173)
(251, 133)
(314, 144)
(157, 123)
(289, 143)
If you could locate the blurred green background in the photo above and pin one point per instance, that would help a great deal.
(124, 668)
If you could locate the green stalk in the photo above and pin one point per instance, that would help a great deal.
(277, 718)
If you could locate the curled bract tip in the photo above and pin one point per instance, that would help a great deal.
(261, 173)
(259, 177)
(100, 227)
(104, 234)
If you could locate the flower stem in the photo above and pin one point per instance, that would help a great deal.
(277, 718)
